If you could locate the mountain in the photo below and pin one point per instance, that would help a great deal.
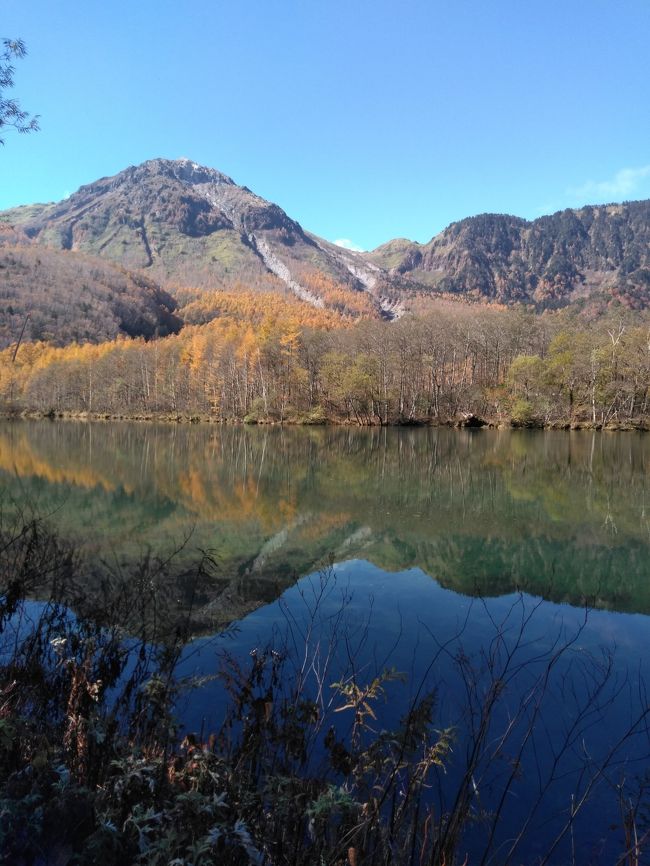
(601, 251)
(186, 226)
(191, 226)
(64, 297)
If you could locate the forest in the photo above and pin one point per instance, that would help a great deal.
(268, 358)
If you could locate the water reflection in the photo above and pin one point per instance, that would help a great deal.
(558, 514)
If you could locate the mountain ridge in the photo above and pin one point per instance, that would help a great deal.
(190, 225)
(550, 261)
(187, 225)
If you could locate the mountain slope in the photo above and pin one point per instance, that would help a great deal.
(64, 297)
(188, 225)
(552, 261)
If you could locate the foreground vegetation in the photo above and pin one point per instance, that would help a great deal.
(95, 767)
(270, 359)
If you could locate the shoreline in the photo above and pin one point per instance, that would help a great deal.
(469, 422)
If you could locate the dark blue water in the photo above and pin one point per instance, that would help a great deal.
(470, 562)
(573, 667)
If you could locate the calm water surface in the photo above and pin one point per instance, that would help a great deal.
(439, 534)
(558, 514)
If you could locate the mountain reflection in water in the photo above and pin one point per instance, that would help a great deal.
(559, 515)
(556, 514)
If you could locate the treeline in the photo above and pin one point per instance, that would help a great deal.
(281, 361)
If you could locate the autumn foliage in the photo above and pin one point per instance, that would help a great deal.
(270, 357)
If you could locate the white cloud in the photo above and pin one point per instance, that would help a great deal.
(622, 185)
(347, 244)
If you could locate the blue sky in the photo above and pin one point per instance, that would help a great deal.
(363, 120)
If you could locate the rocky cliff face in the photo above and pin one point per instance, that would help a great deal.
(552, 261)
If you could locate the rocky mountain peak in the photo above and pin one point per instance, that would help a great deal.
(189, 225)
(184, 170)
(151, 174)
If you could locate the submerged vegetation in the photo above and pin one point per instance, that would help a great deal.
(309, 764)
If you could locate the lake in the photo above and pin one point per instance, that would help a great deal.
(425, 547)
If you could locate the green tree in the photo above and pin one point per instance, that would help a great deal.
(11, 114)
(525, 383)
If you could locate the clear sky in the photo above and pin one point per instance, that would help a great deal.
(363, 119)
